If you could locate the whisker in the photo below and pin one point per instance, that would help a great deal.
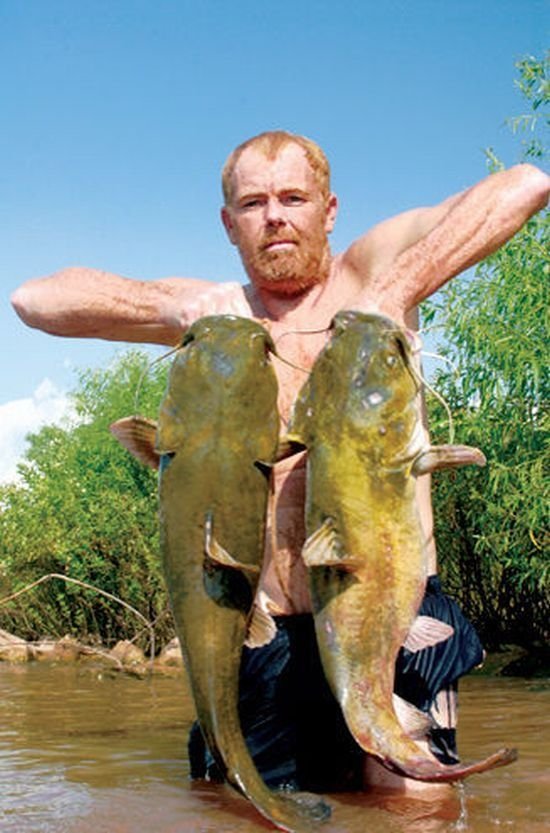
(146, 372)
(441, 358)
(418, 376)
(297, 332)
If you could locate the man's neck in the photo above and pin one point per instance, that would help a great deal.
(305, 307)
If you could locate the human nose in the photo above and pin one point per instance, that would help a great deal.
(274, 213)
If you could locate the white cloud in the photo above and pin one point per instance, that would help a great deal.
(20, 417)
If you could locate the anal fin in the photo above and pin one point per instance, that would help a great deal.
(425, 632)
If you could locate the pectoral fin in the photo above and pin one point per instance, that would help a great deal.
(216, 553)
(425, 632)
(137, 434)
(264, 467)
(288, 447)
(324, 548)
(445, 457)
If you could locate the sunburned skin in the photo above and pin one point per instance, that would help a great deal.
(278, 212)
(298, 339)
(279, 216)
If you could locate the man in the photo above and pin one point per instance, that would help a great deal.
(279, 211)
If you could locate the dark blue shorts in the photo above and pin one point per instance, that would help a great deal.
(292, 723)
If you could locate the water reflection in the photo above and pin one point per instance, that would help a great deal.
(83, 751)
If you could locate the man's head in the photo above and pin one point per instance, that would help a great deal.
(270, 144)
(278, 211)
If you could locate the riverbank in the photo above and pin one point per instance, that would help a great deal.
(124, 656)
(516, 661)
(511, 661)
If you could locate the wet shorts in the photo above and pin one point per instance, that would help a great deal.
(292, 723)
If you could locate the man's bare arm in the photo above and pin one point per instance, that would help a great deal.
(89, 303)
(406, 259)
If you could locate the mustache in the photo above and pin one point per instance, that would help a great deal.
(269, 239)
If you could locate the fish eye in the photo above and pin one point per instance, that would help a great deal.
(391, 359)
(269, 346)
(188, 338)
(403, 347)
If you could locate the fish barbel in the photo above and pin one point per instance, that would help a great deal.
(359, 419)
(217, 437)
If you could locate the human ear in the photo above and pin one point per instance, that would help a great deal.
(332, 210)
(228, 224)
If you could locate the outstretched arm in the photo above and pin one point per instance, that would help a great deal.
(90, 303)
(406, 259)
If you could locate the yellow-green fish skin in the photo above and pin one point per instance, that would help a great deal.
(358, 416)
(218, 430)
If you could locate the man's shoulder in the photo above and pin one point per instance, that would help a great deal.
(220, 298)
(236, 296)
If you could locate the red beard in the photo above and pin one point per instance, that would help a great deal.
(289, 271)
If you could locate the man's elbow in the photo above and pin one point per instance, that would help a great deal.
(534, 184)
(28, 302)
(21, 301)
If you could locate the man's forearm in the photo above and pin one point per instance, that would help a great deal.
(89, 303)
(479, 222)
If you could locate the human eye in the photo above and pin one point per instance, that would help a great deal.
(248, 203)
(293, 198)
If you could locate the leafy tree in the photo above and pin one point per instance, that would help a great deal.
(86, 509)
(492, 526)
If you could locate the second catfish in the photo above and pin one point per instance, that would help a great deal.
(358, 416)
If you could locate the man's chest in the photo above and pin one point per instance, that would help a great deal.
(296, 352)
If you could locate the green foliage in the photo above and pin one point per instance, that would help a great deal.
(87, 509)
(534, 83)
(492, 526)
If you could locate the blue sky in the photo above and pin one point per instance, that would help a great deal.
(118, 114)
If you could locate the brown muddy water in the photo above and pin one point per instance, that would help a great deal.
(82, 751)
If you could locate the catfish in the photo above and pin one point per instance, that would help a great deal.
(214, 445)
(359, 419)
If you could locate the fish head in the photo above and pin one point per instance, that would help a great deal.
(218, 353)
(229, 332)
(382, 386)
(363, 388)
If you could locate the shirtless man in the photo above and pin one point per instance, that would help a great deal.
(279, 211)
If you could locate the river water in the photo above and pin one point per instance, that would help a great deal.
(85, 751)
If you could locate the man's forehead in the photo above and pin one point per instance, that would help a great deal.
(257, 170)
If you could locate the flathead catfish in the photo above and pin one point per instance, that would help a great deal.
(358, 417)
(217, 437)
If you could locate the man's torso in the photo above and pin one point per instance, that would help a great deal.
(299, 336)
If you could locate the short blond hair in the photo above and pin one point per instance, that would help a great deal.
(270, 143)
